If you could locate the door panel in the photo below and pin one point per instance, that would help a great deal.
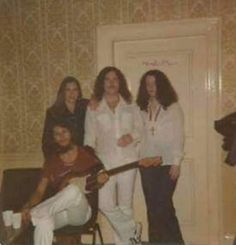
(184, 56)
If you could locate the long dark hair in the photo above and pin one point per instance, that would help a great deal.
(165, 94)
(60, 100)
(99, 84)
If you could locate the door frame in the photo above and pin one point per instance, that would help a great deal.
(210, 29)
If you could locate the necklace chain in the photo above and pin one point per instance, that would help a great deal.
(152, 128)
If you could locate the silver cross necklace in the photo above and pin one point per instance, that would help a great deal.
(153, 118)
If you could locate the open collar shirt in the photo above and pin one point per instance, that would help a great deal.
(103, 128)
(163, 135)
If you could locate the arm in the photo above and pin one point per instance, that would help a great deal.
(178, 135)
(80, 114)
(138, 125)
(90, 129)
(38, 194)
(178, 142)
(135, 135)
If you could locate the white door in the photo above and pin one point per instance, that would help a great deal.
(187, 51)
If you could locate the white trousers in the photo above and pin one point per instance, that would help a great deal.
(67, 207)
(115, 202)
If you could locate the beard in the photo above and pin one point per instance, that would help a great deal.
(63, 149)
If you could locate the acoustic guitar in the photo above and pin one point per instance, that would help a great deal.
(91, 181)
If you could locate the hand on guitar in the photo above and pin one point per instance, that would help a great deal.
(150, 162)
(94, 182)
(102, 178)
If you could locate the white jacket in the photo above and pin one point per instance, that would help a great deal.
(103, 128)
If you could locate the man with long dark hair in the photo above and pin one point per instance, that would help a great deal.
(113, 130)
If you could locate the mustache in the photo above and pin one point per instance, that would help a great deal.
(112, 86)
(63, 149)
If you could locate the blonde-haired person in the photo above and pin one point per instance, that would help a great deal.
(69, 107)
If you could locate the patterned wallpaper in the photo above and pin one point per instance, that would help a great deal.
(41, 41)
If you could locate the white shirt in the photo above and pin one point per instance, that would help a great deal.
(163, 135)
(103, 128)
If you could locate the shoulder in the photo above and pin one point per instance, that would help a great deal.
(175, 107)
(54, 111)
(131, 106)
(100, 108)
(81, 107)
(93, 112)
(175, 111)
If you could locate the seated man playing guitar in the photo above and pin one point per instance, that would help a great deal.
(68, 205)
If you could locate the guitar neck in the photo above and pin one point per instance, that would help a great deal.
(122, 168)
